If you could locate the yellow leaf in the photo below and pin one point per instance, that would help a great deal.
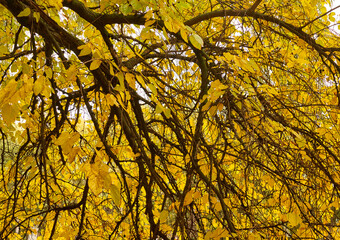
(95, 185)
(168, 25)
(36, 16)
(8, 92)
(167, 112)
(172, 25)
(121, 103)
(26, 12)
(208, 236)
(206, 106)
(73, 138)
(219, 233)
(121, 78)
(113, 68)
(115, 194)
(39, 85)
(184, 34)
(71, 73)
(301, 141)
(26, 69)
(218, 85)
(85, 50)
(73, 153)
(290, 64)
(159, 108)
(47, 90)
(218, 207)
(56, 3)
(253, 236)
(323, 9)
(294, 218)
(68, 144)
(188, 197)
(140, 80)
(335, 204)
(220, 107)
(62, 138)
(213, 110)
(95, 64)
(111, 100)
(130, 78)
(149, 22)
(269, 89)
(148, 15)
(152, 88)
(234, 235)
(49, 72)
(331, 17)
(196, 195)
(163, 216)
(66, 141)
(9, 113)
(196, 41)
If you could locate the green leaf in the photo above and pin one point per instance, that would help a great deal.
(126, 8)
(136, 4)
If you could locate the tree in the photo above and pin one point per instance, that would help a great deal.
(144, 119)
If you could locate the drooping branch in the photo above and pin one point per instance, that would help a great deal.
(48, 29)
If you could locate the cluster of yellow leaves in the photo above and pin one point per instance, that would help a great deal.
(100, 179)
(265, 134)
(13, 96)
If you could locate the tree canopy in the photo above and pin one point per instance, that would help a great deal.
(178, 119)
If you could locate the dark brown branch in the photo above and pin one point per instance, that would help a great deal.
(50, 30)
(83, 210)
(254, 6)
(310, 22)
(100, 20)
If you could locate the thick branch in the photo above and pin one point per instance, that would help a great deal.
(297, 31)
(48, 28)
(100, 20)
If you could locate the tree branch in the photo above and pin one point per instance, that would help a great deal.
(254, 6)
